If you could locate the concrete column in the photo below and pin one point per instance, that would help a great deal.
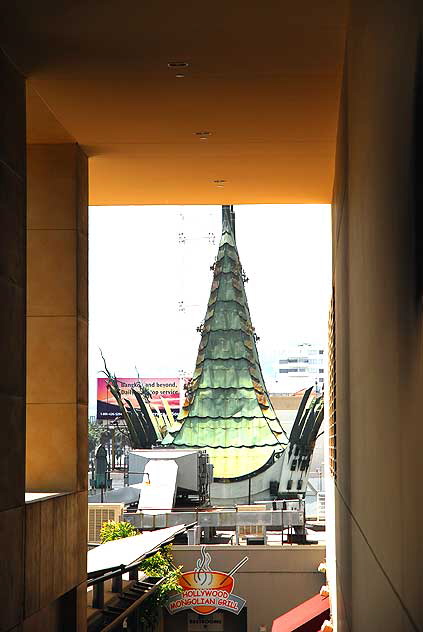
(12, 341)
(57, 313)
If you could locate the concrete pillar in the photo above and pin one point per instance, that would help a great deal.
(12, 341)
(57, 313)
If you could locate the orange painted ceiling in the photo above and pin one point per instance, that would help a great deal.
(263, 78)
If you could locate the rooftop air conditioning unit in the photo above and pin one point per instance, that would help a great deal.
(251, 529)
(98, 514)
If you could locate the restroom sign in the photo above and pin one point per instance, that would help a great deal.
(205, 590)
(205, 623)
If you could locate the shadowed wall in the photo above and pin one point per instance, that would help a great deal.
(378, 324)
(12, 341)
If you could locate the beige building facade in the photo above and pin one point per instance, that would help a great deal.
(272, 581)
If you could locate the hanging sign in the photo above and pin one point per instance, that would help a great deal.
(204, 591)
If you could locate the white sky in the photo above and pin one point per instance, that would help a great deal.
(140, 272)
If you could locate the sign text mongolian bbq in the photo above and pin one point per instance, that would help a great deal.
(205, 590)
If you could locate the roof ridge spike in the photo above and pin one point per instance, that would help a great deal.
(228, 219)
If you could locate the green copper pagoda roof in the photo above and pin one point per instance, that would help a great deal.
(227, 409)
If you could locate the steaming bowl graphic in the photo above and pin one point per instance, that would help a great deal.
(209, 580)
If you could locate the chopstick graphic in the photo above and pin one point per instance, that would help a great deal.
(235, 568)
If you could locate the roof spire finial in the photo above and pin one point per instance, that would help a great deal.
(228, 219)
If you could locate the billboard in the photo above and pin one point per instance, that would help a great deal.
(168, 388)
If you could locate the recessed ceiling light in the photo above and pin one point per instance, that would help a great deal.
(203, 135)
(178, 64)
(179, 76)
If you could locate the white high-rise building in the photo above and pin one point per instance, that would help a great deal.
(299, 367)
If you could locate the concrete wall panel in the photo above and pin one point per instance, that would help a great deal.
(52, 428)
(52, 273)
(52, 176)
(12, 119)
(12, 235)
(33, 530)
(11, 567)
(55, 550)
(51, 360)
(82, 446)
